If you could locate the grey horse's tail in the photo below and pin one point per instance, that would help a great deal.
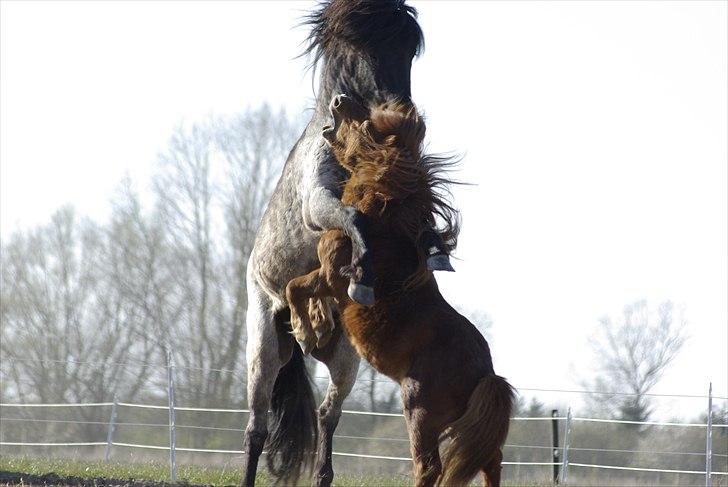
(293, 433)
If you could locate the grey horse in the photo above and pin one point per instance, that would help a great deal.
(363, 48)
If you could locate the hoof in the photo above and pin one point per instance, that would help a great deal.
(361, 294)
(439, 262)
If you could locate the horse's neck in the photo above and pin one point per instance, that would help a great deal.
(359, 76)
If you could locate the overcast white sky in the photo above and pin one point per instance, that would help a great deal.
(594, 133)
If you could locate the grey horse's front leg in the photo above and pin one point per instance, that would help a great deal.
(326, 211)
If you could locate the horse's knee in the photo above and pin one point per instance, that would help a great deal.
(255, 440)
(328, 416)
(255, 436)
(293, 292)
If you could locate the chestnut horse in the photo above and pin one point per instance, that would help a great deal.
(451, 395)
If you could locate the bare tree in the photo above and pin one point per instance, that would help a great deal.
(88, 310)
(212, 186)
(253, 147)
(67, 331)
(534, 408)
(631, 356)
(184, 189)
(144, 270)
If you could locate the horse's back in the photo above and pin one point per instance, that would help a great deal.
(454, 361)
(459, 341)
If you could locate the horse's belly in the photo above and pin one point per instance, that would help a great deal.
(284, 249)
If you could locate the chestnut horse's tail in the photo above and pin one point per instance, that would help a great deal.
(478, 435)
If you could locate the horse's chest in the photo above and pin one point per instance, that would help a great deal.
(372, 337)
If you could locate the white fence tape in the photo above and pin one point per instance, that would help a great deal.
(86, 443)
(640, 469)
(361, 455)
(63, 405)
(342, 454)
(648, 423)
(347, 411)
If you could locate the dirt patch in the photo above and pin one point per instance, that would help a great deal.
(15, 478)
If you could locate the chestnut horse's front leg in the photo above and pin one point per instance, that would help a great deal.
(327, 212)
(322, 320)
(298, 293)
(305, 293)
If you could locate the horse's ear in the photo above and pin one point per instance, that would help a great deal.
(342, 109)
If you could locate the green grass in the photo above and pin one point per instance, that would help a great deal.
(123, 471)
(159, 472)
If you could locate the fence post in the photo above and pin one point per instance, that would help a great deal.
(565, 458)
(555, 443)
(172, 434)
(709, 440)
(110, 434)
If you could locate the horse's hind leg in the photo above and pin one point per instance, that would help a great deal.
(264, 361)
(343, 364)
(492, 470)
(426, 459)
(424, 435)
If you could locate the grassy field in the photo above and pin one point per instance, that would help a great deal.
(158, 472)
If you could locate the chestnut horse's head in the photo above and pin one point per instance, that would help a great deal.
(383, 149)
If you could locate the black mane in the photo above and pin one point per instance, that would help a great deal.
(367, 47)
